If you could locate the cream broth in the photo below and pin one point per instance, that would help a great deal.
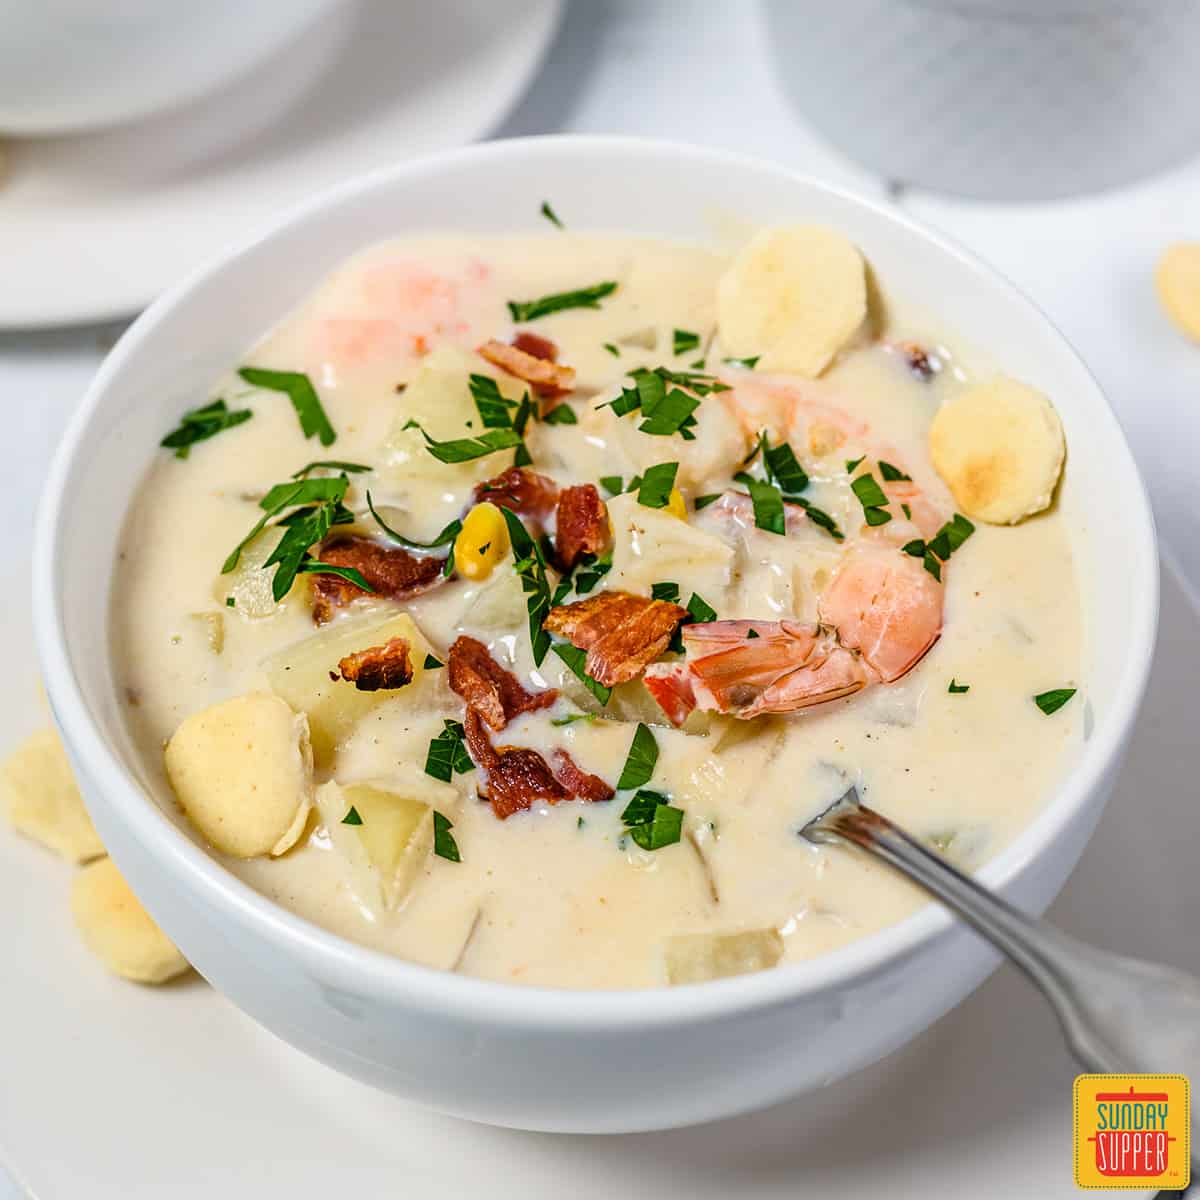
(561, 895)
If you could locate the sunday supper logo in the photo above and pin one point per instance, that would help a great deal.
(1132, 1131)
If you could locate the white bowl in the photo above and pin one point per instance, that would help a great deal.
(72, 65)
(544, 1058)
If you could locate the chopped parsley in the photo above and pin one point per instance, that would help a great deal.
(331, 464)
(665, 591)
(445, 538)
(317, 506)
(589, 297)
(612, 484)
(958, 689)
(589, 573)
(444, 845)
(1051, 701)
(314, 566)
(684, 340)
(852, 464)
(892, 474)
(551, 215)
(751, 633)
(783, 467)
(561, 414)
(230, 602)
(704, 501)
(299, 389)
(673, 414)
(493, 406)
(943, 543)
(458, 450)
(700, 610)
(352, 817)
(872, 498)
(654, 490)
(199, 424)
(616, 353)
(819, 517)
(432, 664)
(651, 821)
(640, 761)
(530, 565)
(447, 754)
(576, 659)
(571, 718)
(747, 363)
(768, 503)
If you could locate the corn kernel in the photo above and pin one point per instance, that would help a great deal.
(675, 504)
(482, 542)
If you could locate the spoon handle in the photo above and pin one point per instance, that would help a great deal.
(1118, 1014)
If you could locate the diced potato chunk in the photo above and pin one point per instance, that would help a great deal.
(43, 800)
(242, 772)
(439, 400)
(301, 674)
(650, 545)
(248, 584)
(390, 834)
(696, 957)
(499, 604)
(118, 930)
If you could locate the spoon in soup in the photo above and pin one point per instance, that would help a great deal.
(1119, 1015)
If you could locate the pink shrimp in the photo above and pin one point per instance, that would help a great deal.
(394, 313)
(878, 618)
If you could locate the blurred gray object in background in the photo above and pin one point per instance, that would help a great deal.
(1000, 99)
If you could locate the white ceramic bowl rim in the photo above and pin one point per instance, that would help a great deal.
(375, 973)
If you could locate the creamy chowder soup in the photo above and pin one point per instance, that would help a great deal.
(575, 573)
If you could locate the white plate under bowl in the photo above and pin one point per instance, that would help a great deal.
(95, 226)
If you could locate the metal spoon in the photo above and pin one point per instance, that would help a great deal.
(1119, 1015)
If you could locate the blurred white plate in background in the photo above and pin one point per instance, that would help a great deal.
(94, 226)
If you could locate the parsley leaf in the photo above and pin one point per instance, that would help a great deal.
(640, 761)
(448, 753)
(768, 504)
(673, 414)
(783, 467)
(314, 566)
(747, 363)
(665, 591)
(651, 820)
(852, 464)
(958, 689)
(199, 424)
(576, 659)
(1050, 702)
(872, 498)
(684, 340)
(571, 718)
(445, 538)
(551, 215)
(951, 536)
(612, 484)
(492, 405)
(704, 501)
(530, 565)
(561, 414)
(612, 349)
(701, 611)
(654, 491)
(892, 474)
(331, 464)
(819, 517)
(589, 297)
(444, 845)
(299, 389)
(432, 664)
(458, 450)
(352, 817)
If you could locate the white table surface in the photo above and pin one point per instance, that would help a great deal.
(696, 71)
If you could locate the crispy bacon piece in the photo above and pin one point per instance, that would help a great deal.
(543, 374)
(378, 667)
(535, 344)
(392, 571)
(493, 692)
(531, 496)
(516, 778)
(621, 632)
(581, 526)
(580, 783)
